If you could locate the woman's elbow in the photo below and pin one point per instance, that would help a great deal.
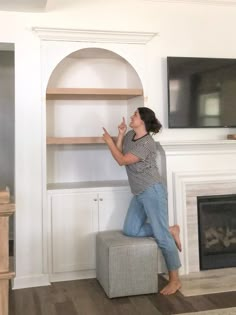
(121, 162)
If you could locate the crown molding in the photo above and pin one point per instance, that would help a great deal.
(205, 2)
(78, 35)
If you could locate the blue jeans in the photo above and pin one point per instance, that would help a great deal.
(151, 206)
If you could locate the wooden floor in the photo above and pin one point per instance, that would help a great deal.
(86, 297)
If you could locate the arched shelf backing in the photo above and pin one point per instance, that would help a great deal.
(92, 78)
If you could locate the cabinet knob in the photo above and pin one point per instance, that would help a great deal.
(95, 199)
(101, 199)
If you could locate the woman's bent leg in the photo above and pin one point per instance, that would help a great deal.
(135, 221)
(154, 200)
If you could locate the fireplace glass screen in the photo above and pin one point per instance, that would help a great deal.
(217, 231)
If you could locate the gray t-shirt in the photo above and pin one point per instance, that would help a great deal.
(144, 173)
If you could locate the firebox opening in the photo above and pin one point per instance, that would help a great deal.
(217, 231)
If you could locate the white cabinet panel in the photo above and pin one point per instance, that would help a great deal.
(113, 207)
(74, 218)
(74, 224)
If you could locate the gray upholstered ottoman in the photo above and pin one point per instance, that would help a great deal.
(126, 265)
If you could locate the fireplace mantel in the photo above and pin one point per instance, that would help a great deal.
(198, 146)
(193, 157)
(195, 167)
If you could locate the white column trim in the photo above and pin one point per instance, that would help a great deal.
(101, 36)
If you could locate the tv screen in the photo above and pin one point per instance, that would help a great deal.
(201, 92)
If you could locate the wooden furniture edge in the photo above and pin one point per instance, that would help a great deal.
(7, 275)
(4, 196)
(231, 137)
(7, 209)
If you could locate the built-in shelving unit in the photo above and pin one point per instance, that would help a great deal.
(87, 90)
(90, 89)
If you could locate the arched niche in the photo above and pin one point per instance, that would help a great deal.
(89, 89)
(94, 68)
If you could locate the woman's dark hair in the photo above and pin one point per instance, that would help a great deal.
(152, 124)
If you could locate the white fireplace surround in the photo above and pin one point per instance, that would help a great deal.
(187, 186)
(195, 169)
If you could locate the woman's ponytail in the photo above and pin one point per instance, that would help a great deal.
(152, 124)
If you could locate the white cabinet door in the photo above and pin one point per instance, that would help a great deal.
(74, 220)
(113, 207)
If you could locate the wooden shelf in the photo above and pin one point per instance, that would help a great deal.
(75, 140)
(88, 185)
(89, 93)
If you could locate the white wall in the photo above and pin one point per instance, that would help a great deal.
(184, 29)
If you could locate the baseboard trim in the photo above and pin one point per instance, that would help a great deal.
(75, 275)
(30, 281)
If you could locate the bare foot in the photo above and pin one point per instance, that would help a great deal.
(175, 232)
(171, 287)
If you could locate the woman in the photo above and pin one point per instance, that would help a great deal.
(147, 214)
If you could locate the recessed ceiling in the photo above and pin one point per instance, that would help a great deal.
(45, 5)
(24, 5)
(7, 46)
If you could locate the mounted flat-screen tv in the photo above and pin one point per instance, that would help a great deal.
(201, 92)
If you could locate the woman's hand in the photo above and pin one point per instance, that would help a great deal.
(122, 127)
(117, 154)
(106, 136)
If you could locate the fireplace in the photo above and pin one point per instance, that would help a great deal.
(217, 231)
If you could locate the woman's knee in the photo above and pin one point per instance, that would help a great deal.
(129, 230)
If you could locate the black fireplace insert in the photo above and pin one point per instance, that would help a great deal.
(217, 231)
